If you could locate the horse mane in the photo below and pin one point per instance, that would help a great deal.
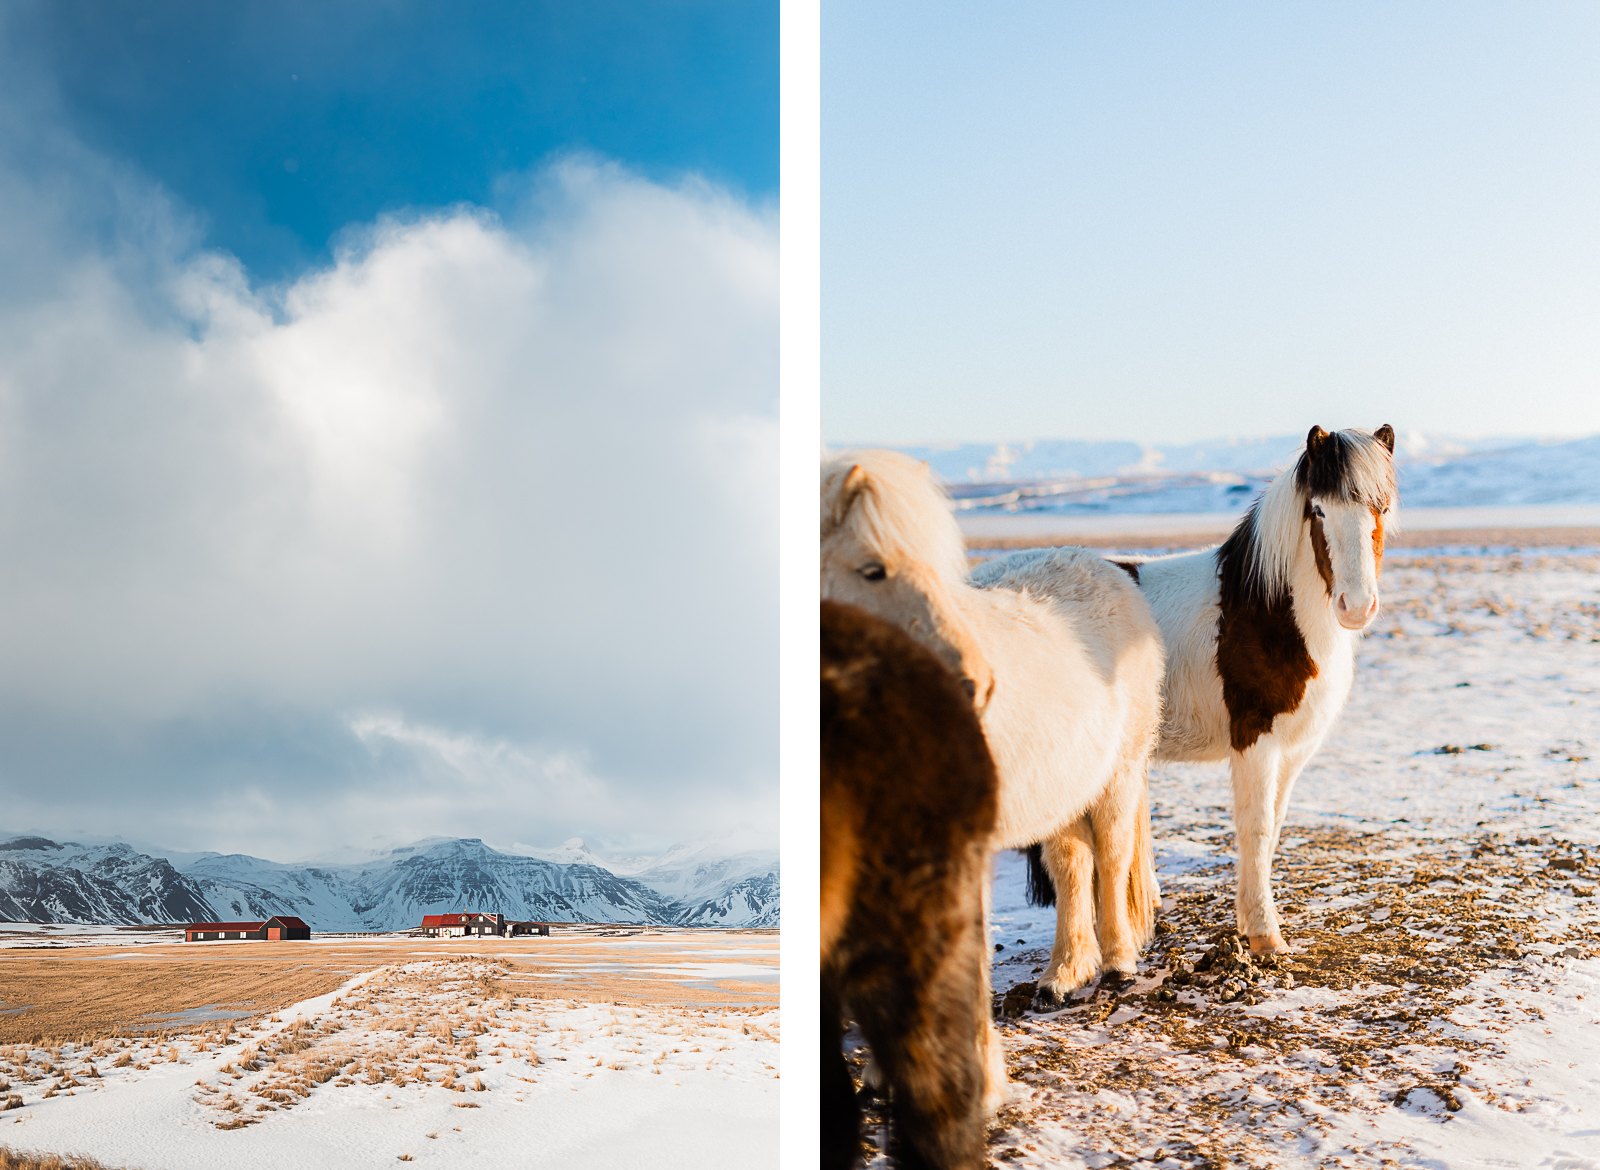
(1257, 560)
(892, 502)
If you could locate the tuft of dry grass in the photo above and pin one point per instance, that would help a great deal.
(23, 1160)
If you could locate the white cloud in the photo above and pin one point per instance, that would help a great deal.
(510, 475)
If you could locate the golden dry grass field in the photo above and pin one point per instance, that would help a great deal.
(81, 994)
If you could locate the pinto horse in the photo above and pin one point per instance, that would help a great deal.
(1068, 685)
(908, 810)
(1261, 637)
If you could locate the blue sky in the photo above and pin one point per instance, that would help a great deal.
(341, 501)
(1175, 222)
(279, 123)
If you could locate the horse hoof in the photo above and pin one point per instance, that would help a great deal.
(1268, 944)
(1050, 998)
(1116, 982)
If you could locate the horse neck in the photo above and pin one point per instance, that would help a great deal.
(1006, 622)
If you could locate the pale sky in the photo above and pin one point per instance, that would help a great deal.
(1175, 222)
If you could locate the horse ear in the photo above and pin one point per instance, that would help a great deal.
(1385, 435)
(855, 482)
(1315, 438)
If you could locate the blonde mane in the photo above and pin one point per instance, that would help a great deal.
(891, 503)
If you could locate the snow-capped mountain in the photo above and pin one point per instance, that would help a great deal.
(713, 888)
(455, 874)
(43, 881)
(1220, 476)
(49, 881)
(748, 901)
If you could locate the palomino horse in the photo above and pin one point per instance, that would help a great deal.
(908, 808)
(1261, 637)
(1069, 688)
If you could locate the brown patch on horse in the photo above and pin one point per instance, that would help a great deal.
(1377, 538)
(1319, 545)
(1261, 653)
(1129, 567)
(909, 802)
(841, 834)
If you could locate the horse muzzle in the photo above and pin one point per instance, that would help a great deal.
(1358, 616)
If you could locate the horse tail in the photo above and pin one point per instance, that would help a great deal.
(1041, 890)
(1144, 891)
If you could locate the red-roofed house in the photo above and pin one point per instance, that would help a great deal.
(274, 929)
(460, 925)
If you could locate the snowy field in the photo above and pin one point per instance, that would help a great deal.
(1438, 879)
(600, 1049)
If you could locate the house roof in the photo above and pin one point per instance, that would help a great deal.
(461, 919)
(224, 926)
(290, 920)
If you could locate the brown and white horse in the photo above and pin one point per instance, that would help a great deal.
(908, 812)
(1261, 637)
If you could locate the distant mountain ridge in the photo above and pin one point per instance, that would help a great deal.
(1125, 476)
(46, 881)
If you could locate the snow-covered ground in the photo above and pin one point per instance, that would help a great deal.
(1438, 882)
(41, 935)
(446, 1060)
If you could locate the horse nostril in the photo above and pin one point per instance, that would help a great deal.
(970, 685)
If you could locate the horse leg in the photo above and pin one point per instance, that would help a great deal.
(1124, 872)
(841, 1115)
(991, 1054)
(1256, 772)
(1075, 957)
(1293, 765)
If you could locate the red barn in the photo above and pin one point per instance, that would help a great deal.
(274, 929)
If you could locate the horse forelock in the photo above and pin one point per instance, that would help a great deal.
(896, 509)
(1354, 466)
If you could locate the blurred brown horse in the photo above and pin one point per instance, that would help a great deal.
(909, 800)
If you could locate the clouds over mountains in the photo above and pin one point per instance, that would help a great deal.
(472, 525)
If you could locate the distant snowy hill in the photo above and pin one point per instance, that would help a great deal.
(712, 889)
(43, 881)
(1219, 476)
(47, 881)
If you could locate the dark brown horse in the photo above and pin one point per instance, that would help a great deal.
(908, 814)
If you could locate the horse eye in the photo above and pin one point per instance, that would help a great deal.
(1316, 510)
(873, 572)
